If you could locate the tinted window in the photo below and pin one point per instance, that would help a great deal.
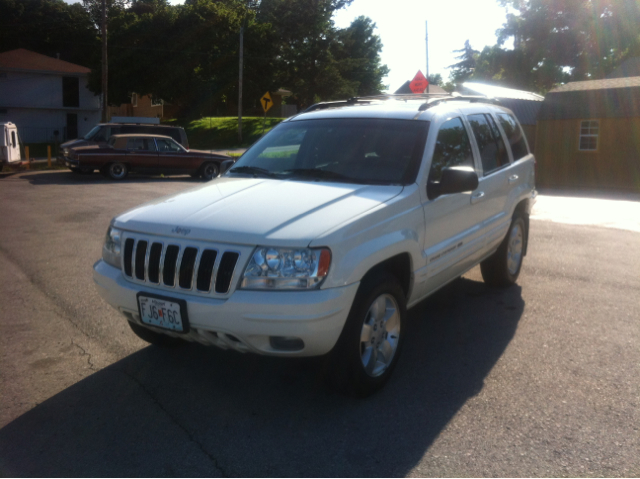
(493, 152)
(515, 136)
(70, 92)
(452, 149)
(144, 144)
(362, 150)
(167, 145)
(13, 139)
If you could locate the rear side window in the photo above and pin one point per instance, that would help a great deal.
(493, 151)
(13, 139)
(452, 149)
(515, 136)
(141, 144)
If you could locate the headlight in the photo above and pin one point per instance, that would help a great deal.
(112, 247)
(286, 268)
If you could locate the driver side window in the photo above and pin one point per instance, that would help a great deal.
(452, 149)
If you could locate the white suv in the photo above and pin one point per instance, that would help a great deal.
(326, 230)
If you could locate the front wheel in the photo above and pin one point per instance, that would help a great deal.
(117, 171)
(370, 343)
(503, 267)
(210, 171)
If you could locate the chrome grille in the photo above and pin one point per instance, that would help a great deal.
(186, 268)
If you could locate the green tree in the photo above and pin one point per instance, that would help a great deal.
(356, 49)
(462, 70)
(49, 27)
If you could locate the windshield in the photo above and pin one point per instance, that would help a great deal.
(355, 150)
(92, 133)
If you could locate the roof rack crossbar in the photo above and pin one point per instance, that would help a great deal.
(432, 99)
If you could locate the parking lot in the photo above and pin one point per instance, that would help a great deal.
(542, 379)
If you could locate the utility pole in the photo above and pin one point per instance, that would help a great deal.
(426, 29)
(240, 87)
(104, 62)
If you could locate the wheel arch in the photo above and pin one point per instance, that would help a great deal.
(523, 209)
(399, 266)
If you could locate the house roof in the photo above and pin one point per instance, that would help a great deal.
(22, 59)
(606, 84)
(501, 92)
(432, 89)
(628, 68)
(610, 98)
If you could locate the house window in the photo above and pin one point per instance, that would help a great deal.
(156, 101)
(134, 99)
(589, 130)
(70, 92)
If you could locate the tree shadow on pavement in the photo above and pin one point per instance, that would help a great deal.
(197, 411)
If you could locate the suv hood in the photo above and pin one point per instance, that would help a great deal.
(256, 211)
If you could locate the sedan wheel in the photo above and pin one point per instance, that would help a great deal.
(210, 171)
(117, 171)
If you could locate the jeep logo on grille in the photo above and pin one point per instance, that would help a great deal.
(181, 231)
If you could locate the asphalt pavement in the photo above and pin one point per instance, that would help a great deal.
(541, 379)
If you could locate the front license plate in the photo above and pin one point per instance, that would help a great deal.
(161, 312)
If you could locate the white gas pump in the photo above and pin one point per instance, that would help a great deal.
(9, 143)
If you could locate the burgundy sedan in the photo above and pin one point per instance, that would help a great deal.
(145, 153)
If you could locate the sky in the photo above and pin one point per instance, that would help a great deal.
(401, 27)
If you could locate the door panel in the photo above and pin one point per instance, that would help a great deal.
(172, 157)
(141, 153)
(451, 234)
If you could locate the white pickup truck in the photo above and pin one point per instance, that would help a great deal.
(326, 230)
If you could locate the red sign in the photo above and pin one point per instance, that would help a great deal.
(419, 83)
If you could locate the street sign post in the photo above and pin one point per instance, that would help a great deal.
(419, 83)
(267, 103)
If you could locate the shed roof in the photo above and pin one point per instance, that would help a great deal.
(22, 59)
(614, 102)
(605, 84)
(501, 92)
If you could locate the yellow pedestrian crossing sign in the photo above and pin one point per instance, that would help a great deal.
(266, 101)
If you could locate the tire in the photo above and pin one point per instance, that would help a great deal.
(209, 171)
(117, 170)
(503, 267)
(369, 347)
(157, 339)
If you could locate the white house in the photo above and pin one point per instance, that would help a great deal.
(46, 98)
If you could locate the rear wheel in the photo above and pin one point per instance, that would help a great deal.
(117, 170)
(157, 339)
(370, 343)
(210, 171)
(503, 267)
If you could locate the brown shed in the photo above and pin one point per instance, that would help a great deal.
(588, 135)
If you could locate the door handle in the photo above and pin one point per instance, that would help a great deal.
(513, 178)
(477, 197)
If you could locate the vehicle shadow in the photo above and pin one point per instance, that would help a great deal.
(195, 411)
(65, 177)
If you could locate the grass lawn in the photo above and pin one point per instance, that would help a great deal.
(222, 132)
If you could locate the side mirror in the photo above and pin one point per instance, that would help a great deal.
(455, 179)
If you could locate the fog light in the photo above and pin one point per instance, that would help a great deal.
(286, 343)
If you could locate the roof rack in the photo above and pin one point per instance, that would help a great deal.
(432, 99)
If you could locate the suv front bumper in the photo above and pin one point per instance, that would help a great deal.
(246, 320)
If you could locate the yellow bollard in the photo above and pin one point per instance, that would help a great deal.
(26, 153)
(49, 155)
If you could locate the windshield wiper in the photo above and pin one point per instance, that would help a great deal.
(252, 170)
(320, 174)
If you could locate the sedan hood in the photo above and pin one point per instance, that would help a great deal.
(256, 211)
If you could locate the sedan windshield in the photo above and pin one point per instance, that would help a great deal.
(352, 150)
(92, 133)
